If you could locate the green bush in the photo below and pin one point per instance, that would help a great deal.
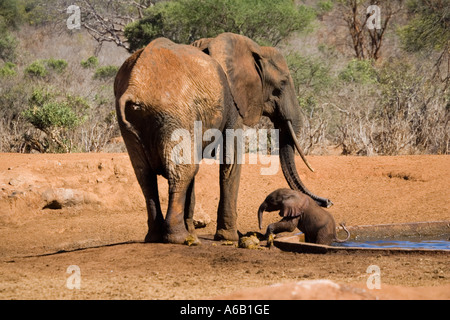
(8, 70)
(59, 65)
(107, 72)
(51, 114)
(10, 13)
(54, 114)
(325, 6)
(309, 72)
(40, 68)
(359, 71)
(8, 46)
(184, 21)
(91, 62)
(45, 111)
(36, 69)
(429, 26)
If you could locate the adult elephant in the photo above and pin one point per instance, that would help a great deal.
(229, 82)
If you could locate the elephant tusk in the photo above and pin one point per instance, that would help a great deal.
(297, 145)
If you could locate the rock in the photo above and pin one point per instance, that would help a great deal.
(14, 182)
(250, 242)
(201, 218)
(57, 198)
(319, 289)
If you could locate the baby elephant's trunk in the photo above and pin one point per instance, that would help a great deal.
(346, 230)
(261, 210)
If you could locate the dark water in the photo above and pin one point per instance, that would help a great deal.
(438, 243)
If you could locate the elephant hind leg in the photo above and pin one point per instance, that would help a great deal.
(189, 208)
(148, 182)
(325, 236)
(155, 219)
(179, 225)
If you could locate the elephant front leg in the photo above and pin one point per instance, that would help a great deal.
(284, 225)
(230, 173)
(227, 211)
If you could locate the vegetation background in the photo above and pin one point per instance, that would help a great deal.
(361, 90)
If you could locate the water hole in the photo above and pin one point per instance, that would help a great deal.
(440, 242)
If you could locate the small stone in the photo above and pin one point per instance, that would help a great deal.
(14, 182)
(250, 242)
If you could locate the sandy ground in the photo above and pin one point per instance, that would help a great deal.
(99, 224)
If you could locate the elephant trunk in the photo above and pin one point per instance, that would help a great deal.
(261, 210)
(287, 160)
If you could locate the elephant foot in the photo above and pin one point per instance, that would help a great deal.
(154, 234)
(179, 235)
(153, 237)
(182, 238)
(225, 234)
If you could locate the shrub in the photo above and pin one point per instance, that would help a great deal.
(51, 114)
(107, 72)
(54, 114)
(325, 6)
(36, 69)
(359, 71)
(91, 62)
(40, 68)
(59, 65)
(405, 112)
(309, 72)
(9, 69)
(8, 46)
(429, 26)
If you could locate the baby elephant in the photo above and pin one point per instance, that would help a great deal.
(301, 211)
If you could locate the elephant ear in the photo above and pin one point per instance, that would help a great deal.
(241, 60)
(202, 44)
(294, 207)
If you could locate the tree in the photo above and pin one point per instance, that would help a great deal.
(184, 21)
(9, 18)
(105, 21)
(366, 42)
(428, 31)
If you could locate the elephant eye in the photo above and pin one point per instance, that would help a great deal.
(276, 92)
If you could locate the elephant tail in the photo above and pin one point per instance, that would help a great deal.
(342, 224)
(122, 104)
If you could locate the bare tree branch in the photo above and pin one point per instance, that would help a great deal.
(106, 23)
(366, 42)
